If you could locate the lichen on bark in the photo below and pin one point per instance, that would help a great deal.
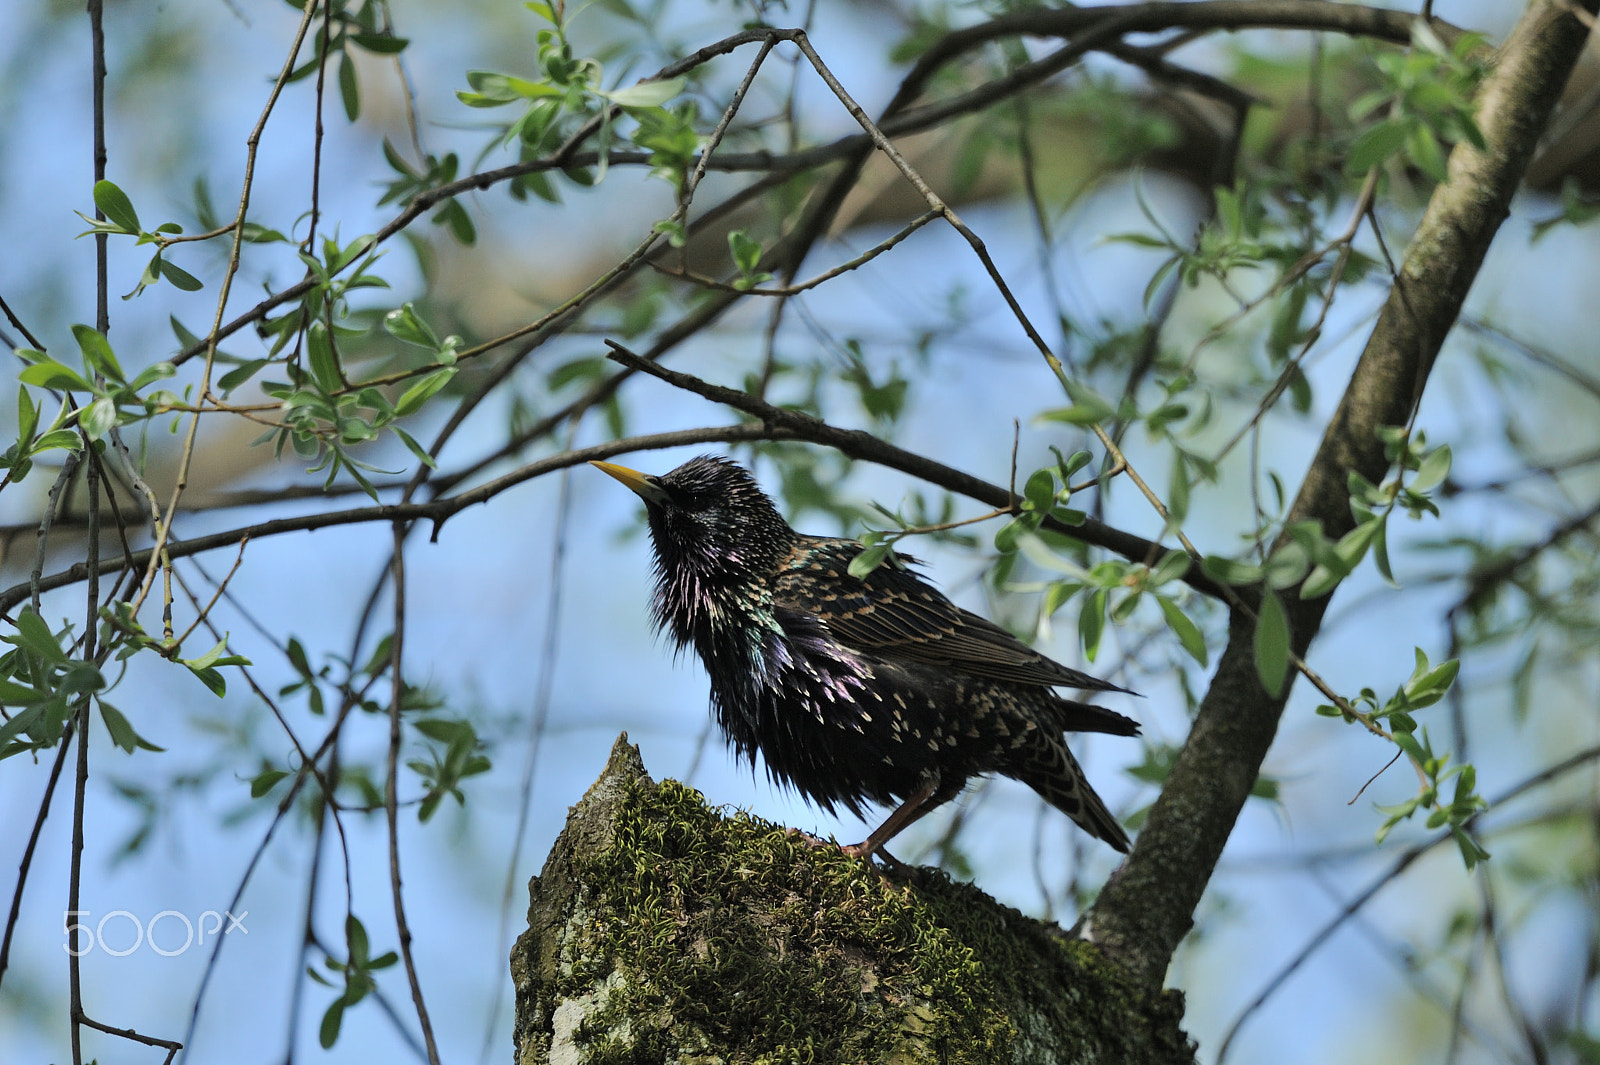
(662, 930)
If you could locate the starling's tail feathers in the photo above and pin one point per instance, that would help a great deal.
(1074, 716)
(1050, 770)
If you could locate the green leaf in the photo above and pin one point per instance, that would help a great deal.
(415, 448)
(62, 438)
(265, 781)
(35, 636)
(1005, 537)
(1434, 469)
(646, 93)
(1178, 492)
(97, 355)
(1153, 287)
(20, 723)
(1040, 491)
(179, 277)
(1431, 686)
(1056, 596)
(349, 91)
(746, 252)
(1172, 567)
(1346, 555)
(1287, 566)
(98, 418)
(420, 392)
(1380, 553)
(405, 323)
(444, 730)
(1272, 644)
(1187, 631)
(212, 680)
(27, 416)
(122, 733)
(1092, 623)
(116, 206)
(868, 560)
(355, 934)
(1408, 743)
(1230, 571)
(81, 678)
(240, 374)
(1423, 149)
(210, 658)
(1138, 240)
(324, 365)
(1072, 463)
(1471, 852)
(1375, 146)
(51, 374)
(1322, 581)
(676, 233)
(328, 1031)
(1089, 400)
(1077, 414)
(379, 43)
(454, 215)
(151, 374)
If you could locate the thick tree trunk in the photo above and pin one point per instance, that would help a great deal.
(662, 930)
(1147, 907)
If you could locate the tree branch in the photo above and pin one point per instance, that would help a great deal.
(793, 424)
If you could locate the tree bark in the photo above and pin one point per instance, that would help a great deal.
(1147, 907)
(661, 930)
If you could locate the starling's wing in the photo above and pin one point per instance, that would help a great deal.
(895, 614)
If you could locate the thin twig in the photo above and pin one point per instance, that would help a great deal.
(391, 788)
(186, 456)
(810, 283)
(1399, 866)
(1102, 27)
(205, 612)
(64, 747)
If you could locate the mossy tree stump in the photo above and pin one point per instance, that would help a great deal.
(662, 931)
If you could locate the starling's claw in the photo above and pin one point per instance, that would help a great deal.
(890, 862)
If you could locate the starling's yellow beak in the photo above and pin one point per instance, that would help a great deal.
(648, 488)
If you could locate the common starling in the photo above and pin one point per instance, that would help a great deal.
(853, 689)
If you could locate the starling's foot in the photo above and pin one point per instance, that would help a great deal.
(865, 851)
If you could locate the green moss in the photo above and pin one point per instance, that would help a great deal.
(662, 931)
(1091, 1003)
(756, 941)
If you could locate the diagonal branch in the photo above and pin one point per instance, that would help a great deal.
(858, 444)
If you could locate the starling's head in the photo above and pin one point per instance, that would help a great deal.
(712, 525)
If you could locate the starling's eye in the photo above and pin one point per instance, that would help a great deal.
(683, 498)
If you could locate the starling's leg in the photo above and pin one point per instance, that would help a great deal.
(908, 813)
